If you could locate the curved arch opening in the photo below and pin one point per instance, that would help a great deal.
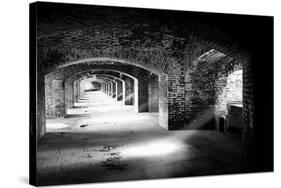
(214, 91)
(94, 60)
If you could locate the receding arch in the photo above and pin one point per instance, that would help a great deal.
(135, 91)
(119, 89)
(102, 69)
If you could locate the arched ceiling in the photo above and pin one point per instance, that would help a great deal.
(153, 39)
(104, 67)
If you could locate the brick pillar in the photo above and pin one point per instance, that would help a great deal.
(123, 92)
(105, 88)
(257, 133)
(68, 97)
(113, 89)
(248, 119)
(75, 91)
(54, 94)
(116, 89)
(136, 95)
(40, 107)
(163, 101)
(119, 90)
(81, 90)
(176, 97)
(110, 88)
(143, 92)
(78, 97)
(194, 106)
(129, 91)
(102, 87)
(153, 93)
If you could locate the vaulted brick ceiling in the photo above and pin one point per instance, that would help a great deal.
(153, 39)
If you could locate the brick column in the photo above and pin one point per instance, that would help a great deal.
(119, 90)
(153, 93)
(40, 107)
(78, 92)
(110, 89)
(163, 101)
(143, 79)
(54, 94)
(257, 133)
(75, 91)
(129, 91)
(114, 91)
(176, 97)
(123, 92)
(105, 87)
(68, 85)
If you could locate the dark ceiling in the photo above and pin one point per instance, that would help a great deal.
(247, 30)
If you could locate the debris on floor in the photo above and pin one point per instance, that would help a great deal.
(108, 148)
(88, 156)
(114, 162)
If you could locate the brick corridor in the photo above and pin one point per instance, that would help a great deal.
(103, 140)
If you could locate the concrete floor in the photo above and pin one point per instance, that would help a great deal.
(102, 140)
